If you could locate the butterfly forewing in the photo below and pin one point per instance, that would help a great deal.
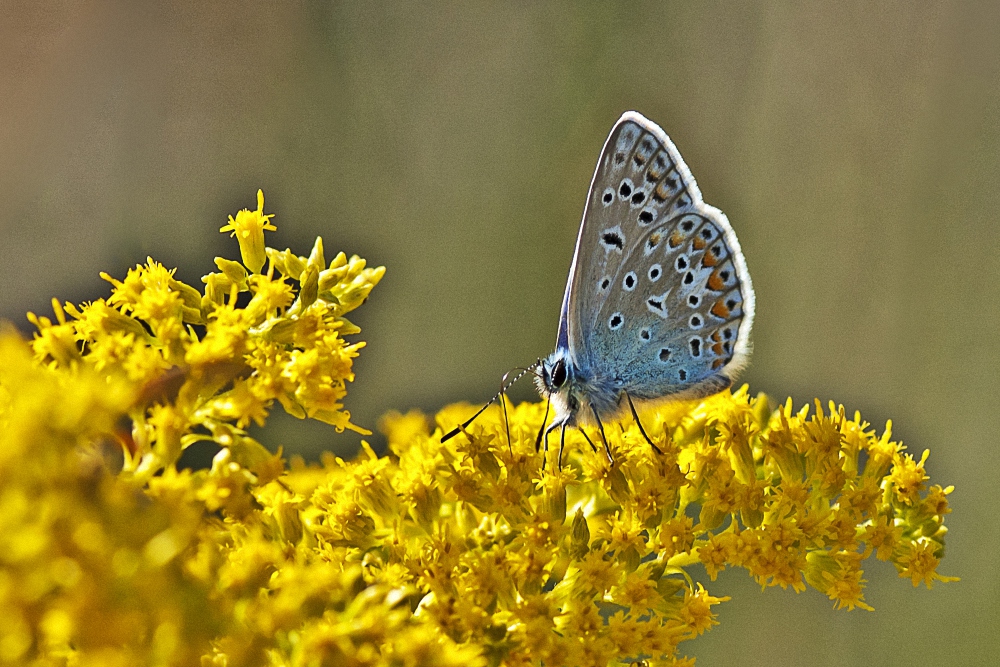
(659, 297)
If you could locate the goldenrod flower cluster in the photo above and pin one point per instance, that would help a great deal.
(469, 553)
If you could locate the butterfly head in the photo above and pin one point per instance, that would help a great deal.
(560, 380)
(573, 391)
(554, 373)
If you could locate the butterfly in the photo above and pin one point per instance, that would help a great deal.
(659, 303)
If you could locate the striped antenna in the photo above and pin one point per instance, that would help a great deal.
(504, 386)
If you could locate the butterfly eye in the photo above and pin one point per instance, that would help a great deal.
(558, 374)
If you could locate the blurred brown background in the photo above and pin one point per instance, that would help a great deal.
(855, 148)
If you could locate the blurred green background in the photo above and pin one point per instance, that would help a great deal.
(855, 148)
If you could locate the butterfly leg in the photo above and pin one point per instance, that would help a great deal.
(545, 451)
(600, 427)
(589, 441)
(635, 416)
(541, 429)
(506, 422)
(562, 444)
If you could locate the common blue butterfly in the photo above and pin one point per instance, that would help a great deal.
(659, 303)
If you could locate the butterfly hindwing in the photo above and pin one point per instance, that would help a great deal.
(680, 307)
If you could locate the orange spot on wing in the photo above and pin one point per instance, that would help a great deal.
(698, 243)
(709, 259)
(715, 282)
(662, 191)
(720, 310)
(675, 239)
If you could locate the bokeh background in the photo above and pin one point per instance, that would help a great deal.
(854, 146)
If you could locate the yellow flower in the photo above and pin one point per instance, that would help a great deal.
(697, 611)
(920, 562)
(248, 228)
(598, 573)
(638, 592)
(473, 552)
(908, 478)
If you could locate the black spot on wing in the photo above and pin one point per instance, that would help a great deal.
(612, 239)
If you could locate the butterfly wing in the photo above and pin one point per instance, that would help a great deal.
(659, 298)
